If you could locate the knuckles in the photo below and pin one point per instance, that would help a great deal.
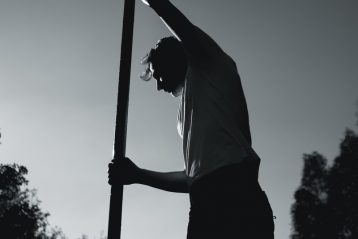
(120, 171)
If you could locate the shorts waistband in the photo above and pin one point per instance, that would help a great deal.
(237, 177)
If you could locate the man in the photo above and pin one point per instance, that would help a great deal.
(221, 168)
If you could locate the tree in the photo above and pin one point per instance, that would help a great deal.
(343, 188)
(326, 201)
(20, 214)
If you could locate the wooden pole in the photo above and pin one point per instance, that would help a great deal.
(115, 207)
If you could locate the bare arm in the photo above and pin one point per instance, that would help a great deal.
(172, 181)
(123, 171)
(177, 23)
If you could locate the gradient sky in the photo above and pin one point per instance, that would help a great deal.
(58, 84)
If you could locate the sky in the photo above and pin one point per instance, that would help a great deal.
(58, 87)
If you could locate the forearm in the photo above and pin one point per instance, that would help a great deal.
(179, 25)
(171, 181)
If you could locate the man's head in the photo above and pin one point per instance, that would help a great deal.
(167, 63)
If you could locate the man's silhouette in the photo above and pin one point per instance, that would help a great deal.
(221, 168)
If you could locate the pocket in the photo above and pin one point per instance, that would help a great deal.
(269, 218)
(259, 213)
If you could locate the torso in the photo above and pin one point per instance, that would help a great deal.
(213, 117)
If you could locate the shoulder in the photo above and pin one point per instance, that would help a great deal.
(203, 47)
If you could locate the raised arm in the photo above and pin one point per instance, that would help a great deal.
(177, 23)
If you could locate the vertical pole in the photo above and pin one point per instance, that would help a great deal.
(115, 207)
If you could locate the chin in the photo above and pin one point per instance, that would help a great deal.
(176, 93)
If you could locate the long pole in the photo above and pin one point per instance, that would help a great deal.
(115, 207)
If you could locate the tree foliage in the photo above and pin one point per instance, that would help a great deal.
(326, 201)
(20, 214)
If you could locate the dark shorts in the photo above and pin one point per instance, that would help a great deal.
(228, 204)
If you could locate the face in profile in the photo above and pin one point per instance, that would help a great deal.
(167, 64)
(167, 79)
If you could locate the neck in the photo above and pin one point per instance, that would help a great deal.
(178, 91)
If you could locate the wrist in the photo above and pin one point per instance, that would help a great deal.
(155, 4)
(140, 176)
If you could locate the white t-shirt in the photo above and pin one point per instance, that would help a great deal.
(213, 118)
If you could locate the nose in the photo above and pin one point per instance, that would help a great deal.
(159, 85)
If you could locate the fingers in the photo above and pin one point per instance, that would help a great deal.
(119, 171)
(145, 2)
(111, 172)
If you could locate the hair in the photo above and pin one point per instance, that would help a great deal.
(168, 50)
